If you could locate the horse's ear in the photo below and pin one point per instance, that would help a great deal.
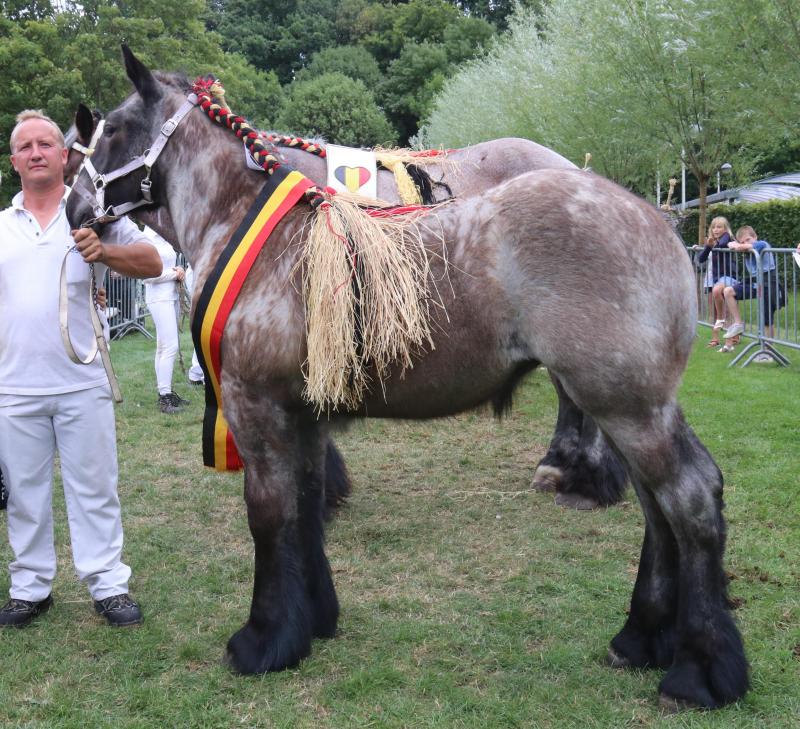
(84, 123)
(140, 76)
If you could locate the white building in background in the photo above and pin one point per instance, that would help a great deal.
(780, 187)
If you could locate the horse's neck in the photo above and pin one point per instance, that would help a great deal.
(207, 195)
(159, 220)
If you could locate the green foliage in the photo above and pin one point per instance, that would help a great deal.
(776, 221)
(498, 12)
(353, 61)
(466, 39)
(251, 29)
(26, 9)
(639, 85)
(412, 81)
(278, 36)
(254, 94)
(423, 20)
(302, 39)
(338, 108)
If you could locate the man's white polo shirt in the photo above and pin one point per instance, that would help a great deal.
(32, 356)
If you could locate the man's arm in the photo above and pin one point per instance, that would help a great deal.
(140, 260)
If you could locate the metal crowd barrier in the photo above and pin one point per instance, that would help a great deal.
(771, 315)
(125, 307)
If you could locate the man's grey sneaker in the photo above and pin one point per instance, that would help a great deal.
(18, 613)
(167, 405)
(119, 610)
(196, 383)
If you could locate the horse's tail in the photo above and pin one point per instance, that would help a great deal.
(424, 183)
(337, 481)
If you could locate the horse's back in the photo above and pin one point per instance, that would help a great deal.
(487, 164)
(558, 267)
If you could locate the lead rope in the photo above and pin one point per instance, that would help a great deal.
(100, 343)
(181, 314)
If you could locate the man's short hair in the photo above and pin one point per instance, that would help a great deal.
(28, 114)
(745, 230)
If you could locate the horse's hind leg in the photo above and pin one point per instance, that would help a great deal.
(337, 481)
(648, 638)
(579, 465)
(679, 611)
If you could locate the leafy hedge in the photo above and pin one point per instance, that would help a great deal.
(776, 221)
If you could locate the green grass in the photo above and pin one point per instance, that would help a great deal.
(468, 600)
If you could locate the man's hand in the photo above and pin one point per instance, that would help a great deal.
(89, 245)
(180, 274)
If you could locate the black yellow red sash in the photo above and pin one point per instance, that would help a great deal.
(283, 189)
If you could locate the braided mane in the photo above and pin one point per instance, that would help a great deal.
(211, 99)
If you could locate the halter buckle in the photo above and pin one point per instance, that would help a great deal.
(168, 127)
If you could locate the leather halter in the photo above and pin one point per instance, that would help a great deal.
(88, 151)
(146, 160)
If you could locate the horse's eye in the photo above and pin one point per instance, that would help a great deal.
(108, 130)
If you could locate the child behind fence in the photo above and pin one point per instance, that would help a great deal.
(724, 270)
(774, 297)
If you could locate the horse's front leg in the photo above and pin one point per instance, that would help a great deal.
(320, 467)
(293, 597)
(579, 465)
(278, 631)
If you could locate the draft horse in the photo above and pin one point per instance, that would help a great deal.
(579, 465)
(549, 252)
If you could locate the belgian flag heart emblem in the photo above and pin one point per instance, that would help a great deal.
(352, 177)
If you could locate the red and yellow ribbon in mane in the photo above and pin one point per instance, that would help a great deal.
(283, 189)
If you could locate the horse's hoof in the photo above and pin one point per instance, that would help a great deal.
(616, 660)
(546, 479)
(577, 502)
(670, 705)
(252, 651)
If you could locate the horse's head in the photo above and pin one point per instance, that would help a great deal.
(122, 175)
(78, 145)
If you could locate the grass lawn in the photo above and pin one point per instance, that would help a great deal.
(468, 600)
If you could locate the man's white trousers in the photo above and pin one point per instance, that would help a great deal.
(80, 426)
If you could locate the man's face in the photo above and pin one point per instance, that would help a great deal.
(38, 155)
(747, 238)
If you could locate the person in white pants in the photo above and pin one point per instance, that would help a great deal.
(49, 404)
(162, 296)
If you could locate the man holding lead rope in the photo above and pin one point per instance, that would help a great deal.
(48, 402)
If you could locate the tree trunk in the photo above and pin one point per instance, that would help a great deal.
(702, 181)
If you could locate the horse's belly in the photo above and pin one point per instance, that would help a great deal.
(445, 383)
